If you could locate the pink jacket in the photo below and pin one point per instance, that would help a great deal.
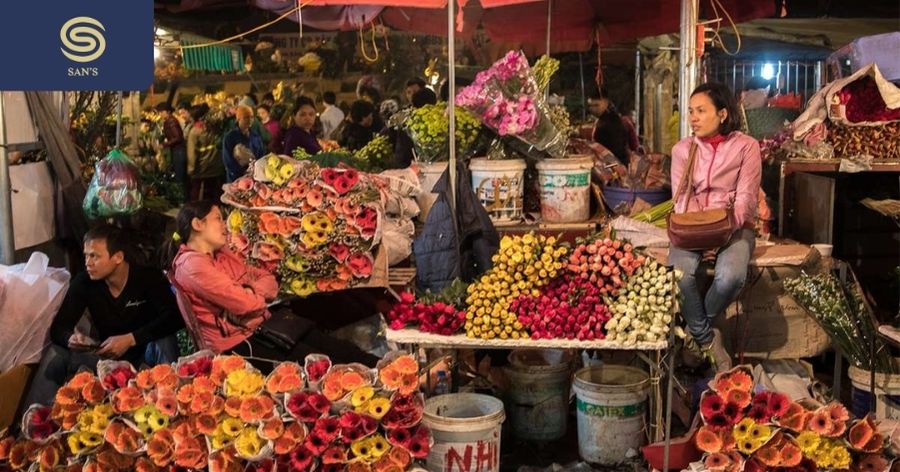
(729, 173)
(216, 286)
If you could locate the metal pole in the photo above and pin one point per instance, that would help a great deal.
(583, 98)
(637, 92)
(687, 79)
(7, 243)
(120, 97)
(549, 17)
(451, 99)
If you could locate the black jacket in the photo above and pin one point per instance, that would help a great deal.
(448, 249)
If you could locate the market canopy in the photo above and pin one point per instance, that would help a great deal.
(575, 24)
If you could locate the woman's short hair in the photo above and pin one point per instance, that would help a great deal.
(360, 110)
(723, 99)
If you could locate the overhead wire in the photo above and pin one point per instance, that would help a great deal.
(240, 35)
(716, 4)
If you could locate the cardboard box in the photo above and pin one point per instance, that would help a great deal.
(13, 384)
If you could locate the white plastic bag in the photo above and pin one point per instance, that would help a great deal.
(30, 296)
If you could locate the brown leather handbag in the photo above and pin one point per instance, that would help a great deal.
(698, 230)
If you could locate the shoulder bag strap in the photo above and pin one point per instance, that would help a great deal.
(688, 177)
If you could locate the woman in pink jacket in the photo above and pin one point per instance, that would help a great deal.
(228, 299)
(726, 173)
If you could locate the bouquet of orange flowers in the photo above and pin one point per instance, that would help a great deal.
(219, 413)
(748, 431)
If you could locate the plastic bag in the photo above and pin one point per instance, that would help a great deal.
(30, 296)
(115, 188)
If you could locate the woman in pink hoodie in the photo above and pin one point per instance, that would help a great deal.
(225, 300)
(726, 173)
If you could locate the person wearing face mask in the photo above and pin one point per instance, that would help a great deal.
(301, 134)
(726, 173)
(241, 144)
(225, 300)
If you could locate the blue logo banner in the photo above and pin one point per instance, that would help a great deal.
(77, 45)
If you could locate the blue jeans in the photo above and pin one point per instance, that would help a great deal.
(58, 364)
(732, 261)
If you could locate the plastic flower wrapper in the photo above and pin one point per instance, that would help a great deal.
(115, 374)
(286, 377)
(508, 99)
(38, 424)
(196, 364)
(405, 411)
(115, 189)
(294, 434)
(429, 129)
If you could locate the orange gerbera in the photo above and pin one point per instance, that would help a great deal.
(143, 464)
(794, 409)
(283, 445)
(399, 456)
(252, 410)
(384, 464)
(861, 433)
(49, 457)
(791, 455)
(820, 423)
(202, 402)
(166, 402)
(795, 422)
(358, 466)
(127, 399)
(191, 453)
(217, 406)
(287, 377)
(80, 379)
(144, 380)
(205, 423)
(68, 395)
(351, 381)
(224, 461)
(717, 462)
(295, 431)
(837, 411)
(109, 459)
(21, 454)
(409, 383)
(740, 398)
(390, 377)
(272, 428)
(768, 455)
(161, 447)
(185, 394)
(406, 365)
(708, 440)
(233, 406)
(203, 384)
(93, 392)
(184, 430)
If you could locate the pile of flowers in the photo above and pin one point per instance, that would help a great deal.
(221, 414)
(864, 102)
(429, 128)
(438, 317)
(317, 228)
(766, 431)
(508, 98)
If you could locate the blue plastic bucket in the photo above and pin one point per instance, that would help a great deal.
(615, 196)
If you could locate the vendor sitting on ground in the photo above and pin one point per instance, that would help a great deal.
(228, 298)
(131, 307)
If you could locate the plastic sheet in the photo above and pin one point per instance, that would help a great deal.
(115, 188)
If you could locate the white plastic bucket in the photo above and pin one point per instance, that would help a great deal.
(500, 186)
(565, 189)
(466, 429)
(611, 405)
(538, 397)
(429, 174)
(887, 394)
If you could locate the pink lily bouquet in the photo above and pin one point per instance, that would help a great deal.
(316, 228)
(509, 100)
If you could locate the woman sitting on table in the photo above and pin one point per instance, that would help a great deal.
(228, 298)
(726, 173)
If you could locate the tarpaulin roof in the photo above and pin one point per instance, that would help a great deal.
(575, 24)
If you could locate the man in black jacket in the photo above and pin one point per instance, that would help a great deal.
(131, 308)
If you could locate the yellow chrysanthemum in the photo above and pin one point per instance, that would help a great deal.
(75, 444)
(232, 427)
(220, 441)
(362, 449)
(808, 441)
(361, 395)
(158, 421)
(379, 446)
(749, 446)
(759, 432)
(105, 410)
(840, 458)
(242, 383)
(90, 440)
(248, 443)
